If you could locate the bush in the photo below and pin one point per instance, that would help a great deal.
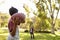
(43, 31)
(26, 31)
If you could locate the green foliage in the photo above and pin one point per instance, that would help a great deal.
(3, 19)
(26, 8)
(37, 24)
(41, 21)
(57, 24)
(58, 1)
(57, 8)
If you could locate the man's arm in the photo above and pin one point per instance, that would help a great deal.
(12, 28)
(13, 31)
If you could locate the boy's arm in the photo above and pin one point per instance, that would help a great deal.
(12, 29)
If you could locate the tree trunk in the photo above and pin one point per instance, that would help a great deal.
(52, 25)
(52, 17)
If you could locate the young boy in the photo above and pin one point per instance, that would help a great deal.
(31, 31)
(15, 20)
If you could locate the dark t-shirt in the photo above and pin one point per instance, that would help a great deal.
(31, 30)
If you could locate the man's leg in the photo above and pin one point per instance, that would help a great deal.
(16, 39)
(10, 38)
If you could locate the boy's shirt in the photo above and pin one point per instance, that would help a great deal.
(31, 30)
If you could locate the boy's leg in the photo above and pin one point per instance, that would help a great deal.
(33, 35)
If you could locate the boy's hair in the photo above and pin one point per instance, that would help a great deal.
(12, 11)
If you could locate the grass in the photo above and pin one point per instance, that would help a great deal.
(26, 36)
(40, 36)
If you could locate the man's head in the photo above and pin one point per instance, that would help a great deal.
(12, 11)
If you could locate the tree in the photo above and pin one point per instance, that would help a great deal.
(27, 9)
(51, 7)
(40, 14)
(3, 19)
(45, 7)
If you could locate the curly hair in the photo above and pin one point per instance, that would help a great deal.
(12, 11)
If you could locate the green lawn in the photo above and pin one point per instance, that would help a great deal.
(38, 36)
(26, 36)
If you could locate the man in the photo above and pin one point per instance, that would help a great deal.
(15, 20)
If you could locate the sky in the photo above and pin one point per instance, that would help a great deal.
(6, 4)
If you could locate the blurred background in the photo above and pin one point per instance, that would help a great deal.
(44, 14)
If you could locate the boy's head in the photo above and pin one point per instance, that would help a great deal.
(12, 11)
